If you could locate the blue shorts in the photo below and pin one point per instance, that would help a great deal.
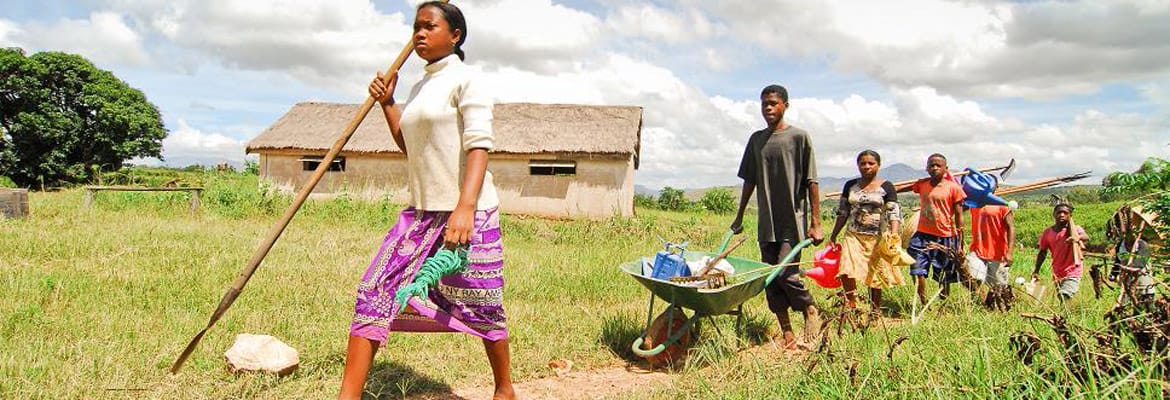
(925, 261)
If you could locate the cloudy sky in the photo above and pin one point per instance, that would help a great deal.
(1061, 86)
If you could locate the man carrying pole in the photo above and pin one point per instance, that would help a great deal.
(1063, 239)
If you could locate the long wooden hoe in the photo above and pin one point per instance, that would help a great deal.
(278, 228)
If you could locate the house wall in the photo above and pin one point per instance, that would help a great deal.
(602, 187)
(365, 176)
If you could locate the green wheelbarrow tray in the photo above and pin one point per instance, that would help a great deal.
(750, 278)
(706, 301)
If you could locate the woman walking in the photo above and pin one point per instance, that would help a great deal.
(445, 130)
(869, 207)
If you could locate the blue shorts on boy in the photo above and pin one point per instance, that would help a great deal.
(931, 262)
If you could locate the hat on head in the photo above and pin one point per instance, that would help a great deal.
(980, 190)
(1059, 201)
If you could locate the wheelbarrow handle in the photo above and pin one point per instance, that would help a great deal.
(787, 258)
(636, 347)
(726, 240)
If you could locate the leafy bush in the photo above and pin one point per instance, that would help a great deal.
(6, 182)
(719, 201)
(252, 167)
(645, 201)
(672, 199)
(1085, 194)
(1154, 174)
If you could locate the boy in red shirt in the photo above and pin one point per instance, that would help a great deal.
(939, 224)
(993, 237)
(1066, 268)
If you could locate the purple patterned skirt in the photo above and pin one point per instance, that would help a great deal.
(469, 302)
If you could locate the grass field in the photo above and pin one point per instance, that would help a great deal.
(99, 301)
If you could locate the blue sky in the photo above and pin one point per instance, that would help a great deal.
(1061, 86)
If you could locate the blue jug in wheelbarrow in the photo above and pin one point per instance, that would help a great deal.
(668, 264)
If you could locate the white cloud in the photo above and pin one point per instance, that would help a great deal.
(8, 30)
(336, 44)
(535, 35)
(1158, 93)
(661, 25)
(187, 145)
(104, 38)
(1037, 49)
(340, 44)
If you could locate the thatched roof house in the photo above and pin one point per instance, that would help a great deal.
(520, 128)
(549, 159)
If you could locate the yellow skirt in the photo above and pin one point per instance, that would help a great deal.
(877, 261)
(856, 253)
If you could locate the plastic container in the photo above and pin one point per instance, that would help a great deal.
(668, 264)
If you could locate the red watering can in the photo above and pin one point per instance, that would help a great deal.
(827, 264)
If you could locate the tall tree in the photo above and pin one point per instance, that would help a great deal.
(61, 118)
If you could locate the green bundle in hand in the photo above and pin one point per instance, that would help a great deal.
(444, 262)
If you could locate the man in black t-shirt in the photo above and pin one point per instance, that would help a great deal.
(780, 161)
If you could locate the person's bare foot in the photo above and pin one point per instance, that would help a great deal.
(504, 394)
(785, 341)
(812, 324)
(789, 341)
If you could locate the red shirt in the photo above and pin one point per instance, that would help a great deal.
(989, 235)
(938, 206)
(1063, 264)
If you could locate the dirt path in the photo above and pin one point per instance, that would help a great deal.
(605, 383)
(594, 384)
(614, 382)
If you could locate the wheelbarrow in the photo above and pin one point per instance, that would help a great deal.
(750, 278)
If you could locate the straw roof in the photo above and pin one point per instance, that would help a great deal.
(520, 128)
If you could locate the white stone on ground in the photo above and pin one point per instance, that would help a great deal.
(252, 353)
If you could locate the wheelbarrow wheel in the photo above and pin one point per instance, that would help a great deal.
(668, 324)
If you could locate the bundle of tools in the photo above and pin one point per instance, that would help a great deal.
(1041, 184)
(709, 277)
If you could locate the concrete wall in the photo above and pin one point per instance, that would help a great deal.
(365, 176)
(602, 187)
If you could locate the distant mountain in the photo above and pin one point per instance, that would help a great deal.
(893, 173)
(646, 190)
